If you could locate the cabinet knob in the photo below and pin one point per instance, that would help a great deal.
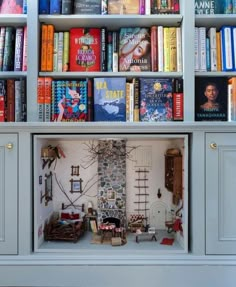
(213, 145)
(9, 146)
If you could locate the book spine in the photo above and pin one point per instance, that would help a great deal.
(233, 29)
(50, 47)
(25, 6)
(178, 100)
(131, 107)
(202, 48)
(40, 98)
(47, 98)
(115, 59)
(228, 6)
(44, 35)
(25, 47)
(208, 54)
(23, 100)
(60, 51)
(2, 100)
(104, 5)
(166, 44)
(233, 100)
(142, 7)
(136, 99)
(226, 48)
(175, 7)
(18, 57)
(127, 104)
(179, 49)
(44, 7)
(18, 108)
(90, 117)
(234, 6)
(55, 7)
(173, 49)
(154, 49)
(66, 7)
(103, 49)
(66, 40)
(2, 44)
(109, 51)
(160, 48)
(230, 98)
(10, 100)
(8, 54)
(212, 37)
(218, 51)
(147, 7)
(55, 53)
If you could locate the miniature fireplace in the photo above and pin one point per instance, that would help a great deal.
(112, 181)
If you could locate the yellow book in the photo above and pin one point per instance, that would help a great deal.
(166, 49)
(218, 51)
(65, 67)
(173, 49)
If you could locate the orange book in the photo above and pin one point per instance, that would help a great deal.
(50, 47)
(40, 98)
(47, 98)
(44, 35)
(218, 51)
(154, 49)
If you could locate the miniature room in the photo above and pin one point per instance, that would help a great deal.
(124, 193)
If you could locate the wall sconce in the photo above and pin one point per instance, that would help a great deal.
(159, 193)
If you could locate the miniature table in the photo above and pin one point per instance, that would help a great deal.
(106, 229)
(150, 234)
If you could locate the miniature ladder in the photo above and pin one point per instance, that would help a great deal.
(142, 194)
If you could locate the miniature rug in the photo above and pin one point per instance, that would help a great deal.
(96, 239)
(167, 241)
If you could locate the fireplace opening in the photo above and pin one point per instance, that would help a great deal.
(113, 220)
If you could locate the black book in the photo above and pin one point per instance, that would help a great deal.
(66, 7)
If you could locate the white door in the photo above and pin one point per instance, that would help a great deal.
(220, 193)
(8, 194)
(158, 215)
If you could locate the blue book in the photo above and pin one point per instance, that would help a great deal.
(234, 6)
(228, 6)
(226, 48)
(156, 99)
(209, 7)
(44, 6)
(110, 99)
(24, 6)
(208, 55)
(55, 7)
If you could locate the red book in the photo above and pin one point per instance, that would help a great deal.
(25, 44)
(2, 100)
(85, 49)
(10, 100)
(154, 49)
(178, 100)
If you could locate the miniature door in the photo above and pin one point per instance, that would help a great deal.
(220, 193)
(8, 194)
(173, 176)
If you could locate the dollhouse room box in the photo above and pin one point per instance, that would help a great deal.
(98, 193)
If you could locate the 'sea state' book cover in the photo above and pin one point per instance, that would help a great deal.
(109, 99)
(123, 7)
(211, 99)
(156, 99)
(70, 100)
(134, 49)
(85, 49)
(209, 6)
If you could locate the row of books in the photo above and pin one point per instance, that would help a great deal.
(13, 100)
(139, 7)
(110, 99)
(156, 48)
(215, 50)
(13, 7)
(215, 7)
(13, 48)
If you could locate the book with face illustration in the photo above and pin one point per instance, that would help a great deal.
(134, 49)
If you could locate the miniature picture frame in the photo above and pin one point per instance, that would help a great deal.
(111, 195)
(76, 186)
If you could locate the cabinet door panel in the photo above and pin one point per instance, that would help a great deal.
(8, 194)
(221, 193)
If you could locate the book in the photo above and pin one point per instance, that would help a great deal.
(136, 97)
(134, 49)
(2, 44)
(109, 51)
(154, 49)
(87, 6)
(228, 6)
(44, 44)
(209, 7)
(50, 47)
(47, 98)
(123, 7)
(40, 98)
(60, 49)
(179, 57)
(2, 99)
(226, 48)
(218, 51)
(104, 10)
(25, 48)
(166, 48)
(55, 51)
(141, 7)
(233, 29)
(173, 49)
(23, 100)
(11, 7)
(202, 48)
(104, 49)
(115, 48)
(66, 48)
(232, 99)
(9, 49)
(156, 99)
(55, 7)
(10, 100)
(211, 33)
(178, 99)
(18, 55)
(160, 48)
(70, 97)
(66, 7)
(110, 99)
(211, 99)
(234, 6)
(18, 108)
(44, 6)
(85, 49)
(90, 99)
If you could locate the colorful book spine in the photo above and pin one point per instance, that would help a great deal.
(18, 108)
(2, 44)
(44, 35)
(115, 58)
(55, 53)
(160, 53)
(127, 104)
(9, 45)
(55, 7)
(40, 98)
(142, 7)
(103, 49)
(226, 48)
(154, 49)
(173, 49)
(23, 100)
(66, 7)
(47, 98)
(109, 51)
(60, 51)
(18, 57)
(208, 54)
(90, 117)
(50, 47)
(218, 51)
(87, 7)
(25, 6)
(10, 100)
(2, 100)
(66, 43)
(25, 48)
(44, 6)
(228, 6)
(178, 100)
(136, 99)
(104, 10)
(166, 43)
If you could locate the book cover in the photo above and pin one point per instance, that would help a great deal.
(211, 98)
(178, 99)
(109, 51)
(228, 6)
(23, 100)
(18, 57)
(115, 49)
(232, 99)
(110, 99)
(85, 49)
(123, 7)
(166, 48)
(55, 51)
(136, 105)
(156, 99)
(44, 7)
(60, 48)
(134, 49)
(173, 48)
(70, 97)
(104, 10)
(160, 48)
(47, 98)
(11, 7)
(87, 6)
(55, 7)
(209, 7)
(2, 99)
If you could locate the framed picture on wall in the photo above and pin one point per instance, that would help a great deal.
(76, 185)
(111, 195)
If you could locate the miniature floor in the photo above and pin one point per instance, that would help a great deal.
(85, 243)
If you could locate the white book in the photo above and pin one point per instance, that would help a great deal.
(147, 7)
(131, 106)
(18, 101)
(160, 49)
(60, 51)
(55, 52)
(234, 45)
(226, 48)
(212, 36)
(202, 49)
(179, 49)
(196, 50)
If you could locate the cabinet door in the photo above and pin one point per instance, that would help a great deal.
(8, 194)
(221, 193)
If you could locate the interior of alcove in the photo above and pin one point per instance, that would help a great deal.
(149, 154)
